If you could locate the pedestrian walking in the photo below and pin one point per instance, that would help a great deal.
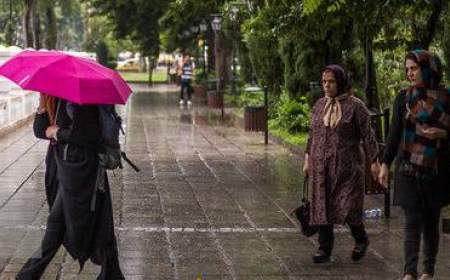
(172, 72)
(186, 79)
(335, 164)
(418, 141)
(80, 216)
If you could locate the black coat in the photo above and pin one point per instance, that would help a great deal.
(408, 191)
(72, 169)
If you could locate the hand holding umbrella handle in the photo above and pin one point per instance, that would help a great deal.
(51, 131)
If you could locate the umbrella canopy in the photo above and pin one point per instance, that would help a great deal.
(76, 79)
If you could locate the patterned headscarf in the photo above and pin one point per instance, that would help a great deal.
(332, 109)
(427, 105)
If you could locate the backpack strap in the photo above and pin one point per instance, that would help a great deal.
(124, 156)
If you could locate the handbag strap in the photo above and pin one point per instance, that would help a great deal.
(305, 195)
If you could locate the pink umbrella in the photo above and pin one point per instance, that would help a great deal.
(76, 79)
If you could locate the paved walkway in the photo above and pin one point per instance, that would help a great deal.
(211, 202)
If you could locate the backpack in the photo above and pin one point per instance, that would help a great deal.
(111, 126)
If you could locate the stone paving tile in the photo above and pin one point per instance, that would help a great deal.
(211, 202)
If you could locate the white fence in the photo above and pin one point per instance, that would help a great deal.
(17, 104)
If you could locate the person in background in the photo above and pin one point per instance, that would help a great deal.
(335, 163)
(419, 141)
(186, 79)
(172, 72)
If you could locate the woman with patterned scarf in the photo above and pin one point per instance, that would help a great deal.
(418, 139)
(335, 163)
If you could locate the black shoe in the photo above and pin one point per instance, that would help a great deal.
(360, 250)
(321, 257)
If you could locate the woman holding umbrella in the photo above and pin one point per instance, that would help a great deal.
(77, 186)
(81, 211)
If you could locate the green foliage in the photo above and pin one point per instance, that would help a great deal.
(391, 75)
(251, 99)
(306, 47)
(137, 20)
(292, 114)
(104, 56)
(261, 39)
(314, 94)
(180, 17)
(297, 139)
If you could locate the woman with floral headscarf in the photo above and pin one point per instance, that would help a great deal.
(335, 162)
(418, 140)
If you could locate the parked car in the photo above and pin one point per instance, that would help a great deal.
(130, 64)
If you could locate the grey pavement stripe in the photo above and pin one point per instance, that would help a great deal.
(176, 229)
(202, 230)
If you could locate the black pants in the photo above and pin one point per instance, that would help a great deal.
(418, 221)
(35, 267)
(326, 236)
(185, 87)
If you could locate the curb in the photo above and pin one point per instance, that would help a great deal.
(18, 124)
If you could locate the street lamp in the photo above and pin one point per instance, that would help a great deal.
(186, 33)
(203, 28)
(234, 13)
(194, 29)
(216, 25)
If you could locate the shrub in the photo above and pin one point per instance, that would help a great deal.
(292, 115)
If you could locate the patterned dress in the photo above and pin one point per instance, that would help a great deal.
(336, 161)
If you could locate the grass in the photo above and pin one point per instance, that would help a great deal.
(298, 139)
(159, 76)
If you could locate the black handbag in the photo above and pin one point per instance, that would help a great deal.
(303, 212)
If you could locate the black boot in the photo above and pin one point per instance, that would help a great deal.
(321, 257)
(361, 241)
(360, 250)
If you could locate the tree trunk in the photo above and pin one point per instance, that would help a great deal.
(425, 35)
(223, 60)
(151, 60)
(26, 23)
(51, 32)
(211, 52)
(432, 23)
(370, 87)
(446, 43)
(142, 64)
(9, 27)
(36, 23)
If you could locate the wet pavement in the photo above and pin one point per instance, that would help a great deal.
(211, 202)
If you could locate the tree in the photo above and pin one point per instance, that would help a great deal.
(137, 20)
(26, 23)
(181, 17)
(47, 8)
(11, 17)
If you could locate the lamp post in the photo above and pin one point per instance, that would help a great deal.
(234, 12)
(216, 25)
(203, 28)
